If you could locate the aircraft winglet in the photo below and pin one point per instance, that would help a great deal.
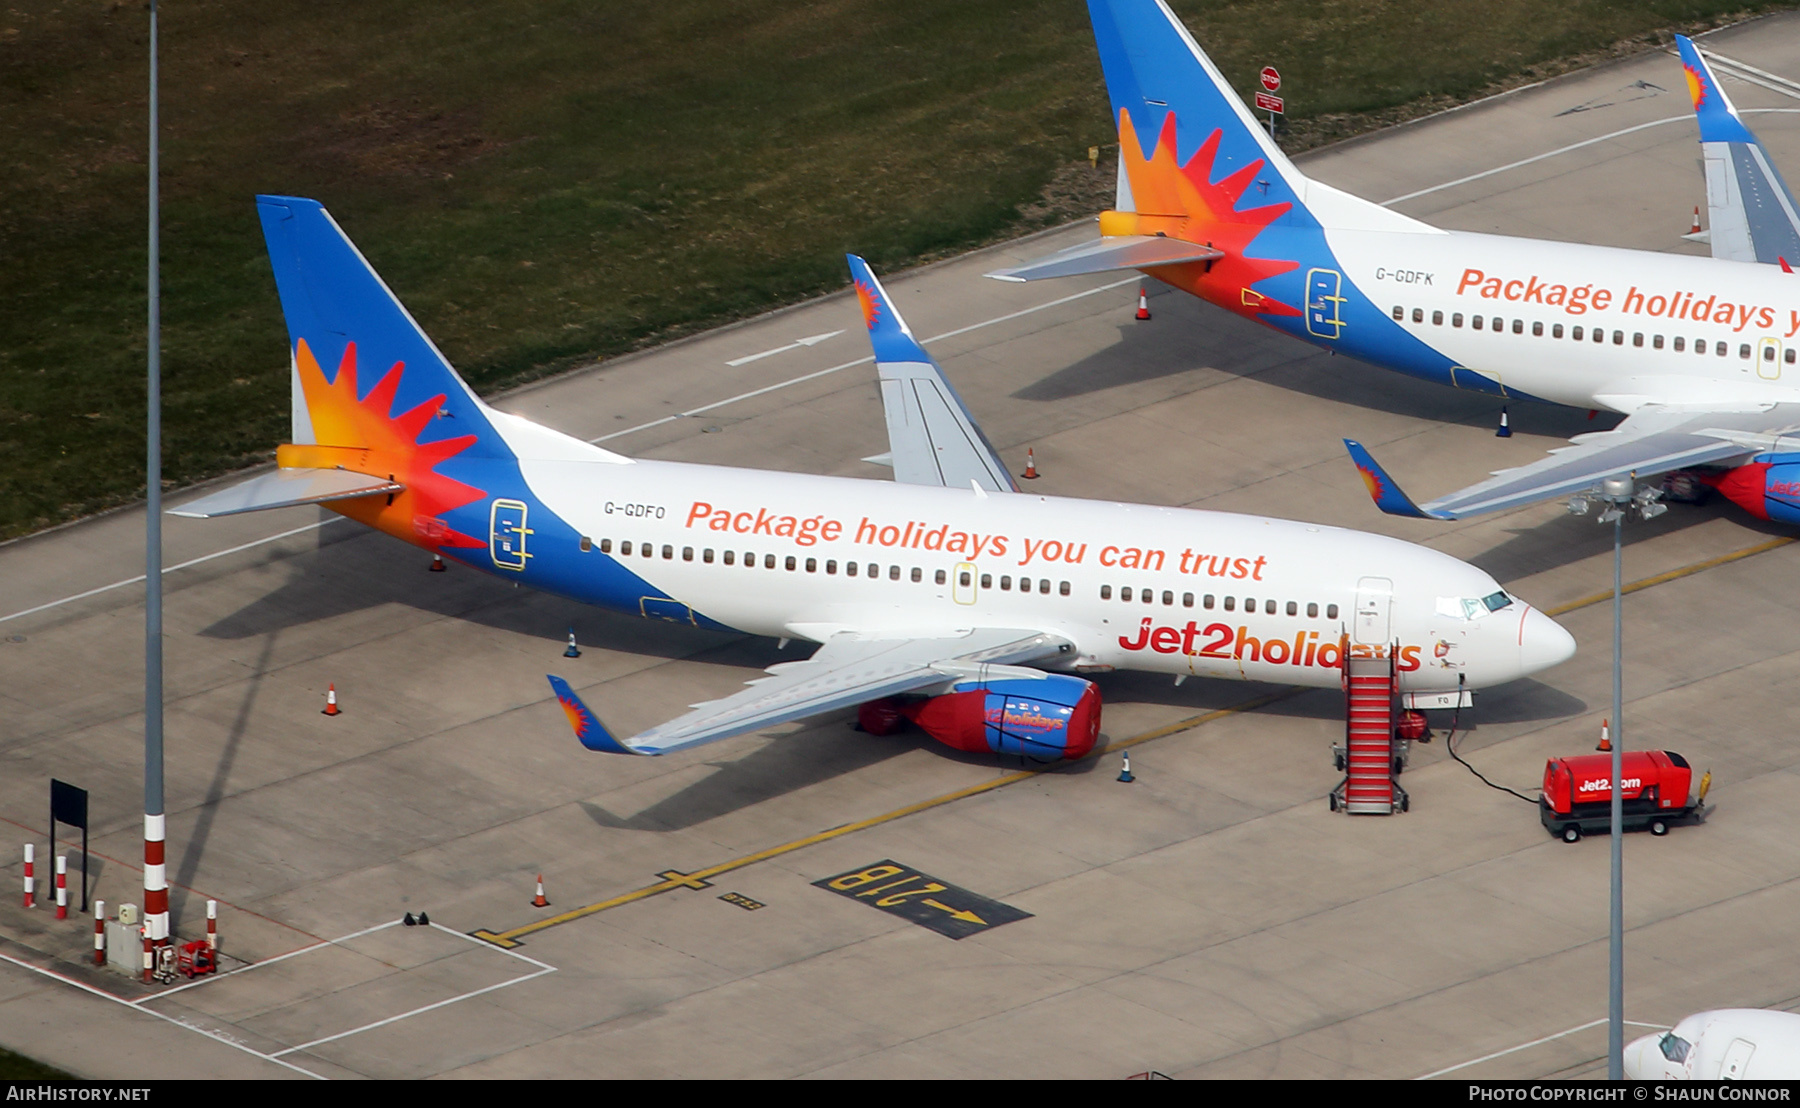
(588, 728)
(888, 333)
(1386, 493)
(1718, 119)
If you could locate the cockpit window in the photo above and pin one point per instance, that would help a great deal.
(1675, 1048)
(1472, 607)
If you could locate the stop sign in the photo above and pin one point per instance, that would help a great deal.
(1271, 80)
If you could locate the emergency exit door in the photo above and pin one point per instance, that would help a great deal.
(1374, 607)
(507, 533)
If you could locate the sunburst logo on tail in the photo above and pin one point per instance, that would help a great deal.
(1208, 213)
(389, 445)
(1696, 84)
(871, 305)
(1373, 481)
(579, 717)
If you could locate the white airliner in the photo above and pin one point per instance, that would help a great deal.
(947, 588)
(1700, 353)
(1731, 1044)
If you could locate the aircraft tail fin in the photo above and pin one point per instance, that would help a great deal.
(1752, 216)
(1191, 154)
(1387, 495)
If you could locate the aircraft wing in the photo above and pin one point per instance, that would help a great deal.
(932, 438)
(1654, 439)
(286, 488)
(1108, 254)
(847, 669)
(1752, 216)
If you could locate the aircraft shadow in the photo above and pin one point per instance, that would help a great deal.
(1568, 539)
(1190, 334)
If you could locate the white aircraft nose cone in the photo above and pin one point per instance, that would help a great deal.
(1543, 643)
(1643, 1059)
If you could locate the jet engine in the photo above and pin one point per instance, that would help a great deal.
(1768, 486)
(1055, 716)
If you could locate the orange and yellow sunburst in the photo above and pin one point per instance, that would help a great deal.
(1198, 209)
(871, 305)
(579, 718)
(362, 435)
(1373, 482)
(1696, 85)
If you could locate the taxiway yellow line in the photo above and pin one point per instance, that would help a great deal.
(700, 878)
(1672, 575)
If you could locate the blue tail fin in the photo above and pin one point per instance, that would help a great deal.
(588, 728)
(342, 319)
(1752, 216)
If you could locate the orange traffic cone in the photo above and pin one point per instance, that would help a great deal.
(1605, 737)
(437, 563)
(1695, 229)
(539, 901)
(1143, 311)
(331, 708)
(1031, 472)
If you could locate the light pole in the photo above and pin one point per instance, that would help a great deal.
(1620, 494)
(156, 885)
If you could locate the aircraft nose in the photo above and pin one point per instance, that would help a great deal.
(1543, 643)
(1642, 1059)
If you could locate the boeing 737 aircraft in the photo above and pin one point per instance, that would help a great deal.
(1700, 353)
(976, 605)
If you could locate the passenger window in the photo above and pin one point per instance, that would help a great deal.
(812, 566)
(1005, 583)
(893, 573)
(707, 555)
(769, 561)
(917, 575)
(1637, 338)
(1063, 588)
(1230, 604)
(1043, 586)
(1293, 609)
(1207, 601)
(1149, 595)
(648, 549)
(831, 569)
(1331, 611)
(1437, 319)
(687, 554)
(1268, 607)
(1456, 319)
(792, 563)
(625, 546)
(1656, 342)
(586, 544)
(1788, 356)
(1575, 333)
(1168, 597)
(669, 553)
(1312, 611)
(1537, 329)
(1399, 313)
(1418, 315)
(1106, 592)
(1680, 344)
(1744, 350)
(1556, 330)
(731, 557)
(1720, 348)
(1475, 322)
(606, 546)
(1125, 593)
(1187, 600)
(1518, 326)
(987, 581)
(940, 578)
(962, 578)
(1768, 356)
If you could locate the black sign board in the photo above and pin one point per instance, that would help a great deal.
(923, 899)
(68, 804)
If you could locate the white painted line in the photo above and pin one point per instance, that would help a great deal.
(810, 340)
(214, 1035)
(1779, 83)
(414, 1012)
(1564, 150)
(271, 961)
(485, 945)
(1528, 1046)
(862, 361)
(169, 569)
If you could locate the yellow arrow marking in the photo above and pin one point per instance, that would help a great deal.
(966, 917)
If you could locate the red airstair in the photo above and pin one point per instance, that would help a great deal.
(1371, 757)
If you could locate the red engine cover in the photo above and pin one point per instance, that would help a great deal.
(1744, 486)
(880, 717)
(958, 720)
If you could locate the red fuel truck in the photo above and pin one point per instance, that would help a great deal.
(1577, 796)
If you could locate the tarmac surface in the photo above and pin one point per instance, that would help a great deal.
(1212, 918)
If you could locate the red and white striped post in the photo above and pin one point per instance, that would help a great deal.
(30, 881)
(156, 890)
(99, 932)
(212, 925)
(62, 886)
(149, 959)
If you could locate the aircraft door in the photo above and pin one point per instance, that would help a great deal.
(1768, 359)
(962, 586)
(507, 534)
(1374, 611)
(1324, 303)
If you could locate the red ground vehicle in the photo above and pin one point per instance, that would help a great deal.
(1577, 796)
